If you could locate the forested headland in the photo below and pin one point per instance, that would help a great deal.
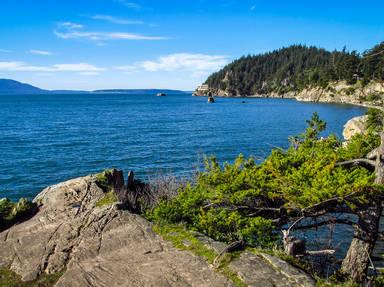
(298, 67)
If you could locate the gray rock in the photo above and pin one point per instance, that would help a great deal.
(98, 246)
(354, 126)
(257, 272)
(294, 274)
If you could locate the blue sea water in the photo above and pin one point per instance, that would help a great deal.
(45, 139)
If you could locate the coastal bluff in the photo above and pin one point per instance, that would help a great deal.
(93, 244)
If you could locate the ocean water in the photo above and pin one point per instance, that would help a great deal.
(45, 139)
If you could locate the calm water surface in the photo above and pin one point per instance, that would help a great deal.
(46, 139)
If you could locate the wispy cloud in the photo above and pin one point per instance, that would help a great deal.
(40, 52)
(198, 64)
(129, 4)
(70, 25)
(128, 68)
(116, 20)
(77, 32)
(5, 51)
(76, 67)
(253, 8)
(186, 61)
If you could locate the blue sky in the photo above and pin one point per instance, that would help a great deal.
(94, 44)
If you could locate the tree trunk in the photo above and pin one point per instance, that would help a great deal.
(356, 263)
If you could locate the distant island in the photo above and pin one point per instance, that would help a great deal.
(12, 87)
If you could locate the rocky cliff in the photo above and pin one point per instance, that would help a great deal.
(89, 240)
(336, 92)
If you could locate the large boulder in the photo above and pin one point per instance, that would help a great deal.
(355, 126)
(97, 245)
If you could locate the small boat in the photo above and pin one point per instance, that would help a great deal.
(160, 95)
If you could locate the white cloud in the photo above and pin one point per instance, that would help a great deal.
(74, 31)
(40, 52)
(70, 25)
(116, 20)
(80, 67)
(185, 61)
(129, 4)
(23, 67)
(9, 65)
(198, 65)
(128, 68)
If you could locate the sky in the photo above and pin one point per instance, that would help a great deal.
(101, 44)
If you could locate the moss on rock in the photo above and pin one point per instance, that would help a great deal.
(108, 199)
(9, 278)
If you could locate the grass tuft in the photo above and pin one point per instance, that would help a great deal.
(10, 279)
(108, 199)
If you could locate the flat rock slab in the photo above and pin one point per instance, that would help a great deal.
(255, 271)
(98, 246)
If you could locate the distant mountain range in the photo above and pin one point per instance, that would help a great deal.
(12, 87)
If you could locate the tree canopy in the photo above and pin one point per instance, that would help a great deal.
(297, 67)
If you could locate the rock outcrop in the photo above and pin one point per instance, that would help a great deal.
(98, 246)
(340, 92)
(104, 245)
(354, 126)
(371, 95)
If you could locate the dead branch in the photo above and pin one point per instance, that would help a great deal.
(356, 162)
(326, 222)
(321, 252)
(234, 246)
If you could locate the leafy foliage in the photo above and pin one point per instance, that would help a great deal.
(228, 202)
(297, 67)
(103, 180)
(375, 121)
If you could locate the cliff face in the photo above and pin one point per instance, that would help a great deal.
(340, 92)
(336, 92)
(94, 244)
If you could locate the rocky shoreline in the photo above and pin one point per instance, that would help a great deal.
(370, 96)
(84, 240)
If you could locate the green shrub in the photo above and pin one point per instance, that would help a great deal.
(103, 180)
(11, 212)
(373, 97)
(375, 121)
(225, 200)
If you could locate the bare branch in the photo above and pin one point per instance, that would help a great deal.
(296, 222)
(326, 222)
(355, 162)
(237, 245)
(321, 252)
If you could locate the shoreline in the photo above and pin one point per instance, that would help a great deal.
(365, 105)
